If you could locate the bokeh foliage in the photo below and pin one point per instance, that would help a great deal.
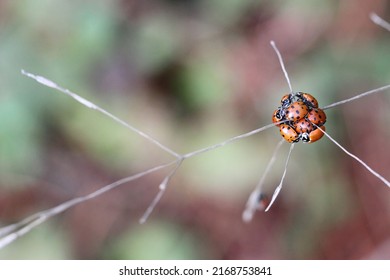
(190, 73)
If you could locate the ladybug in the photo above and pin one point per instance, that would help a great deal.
(296, 111)
(286, 100)
(313, 136)
(308, 99)
(316, 116)
(277, 116)
(303, 125)
(288, 133)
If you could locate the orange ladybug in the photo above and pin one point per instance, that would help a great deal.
(316, 116)
(296, 111)
(303, 126)
(308, 99)
(288, 133)
(313, 136)
(277, 116)
(286, 100)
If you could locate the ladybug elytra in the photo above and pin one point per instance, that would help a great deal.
(308, 99)
(317, 116)
(288, 133)
(296, 111)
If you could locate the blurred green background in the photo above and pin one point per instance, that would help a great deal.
(191, 74)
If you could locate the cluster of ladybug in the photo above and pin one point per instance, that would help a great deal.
(299, 117)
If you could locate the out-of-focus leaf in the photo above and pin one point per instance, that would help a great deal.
(158, 240)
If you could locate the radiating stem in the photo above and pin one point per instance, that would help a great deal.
(373, 91)
(93, 106)
(282, 65)
(253, 200)
(279, 187)
(9, 233)
(379, 21)
(376, 174)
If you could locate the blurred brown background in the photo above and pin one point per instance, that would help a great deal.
(191, 74)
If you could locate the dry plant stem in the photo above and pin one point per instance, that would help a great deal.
(151, 207)
(380, 177)
(279, 187)
(4, 241)
(166, 180)
(248, 212)
(356, 97)
(10, 233)
(379, 21)
(90, 105)
(282, 64)
(163, 187)
(228, 141)
(11, 228)
(253, 201)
